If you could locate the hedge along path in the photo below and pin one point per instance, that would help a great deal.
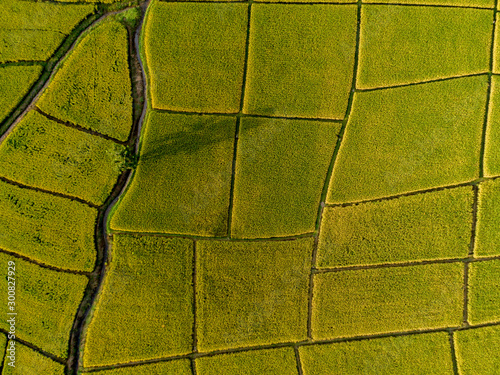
(48, 229)
(477, 350)
(31, 362)
(487, 230)
(92, 88)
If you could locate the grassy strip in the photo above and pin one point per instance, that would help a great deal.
(426, 226)
(492, 156)
(276, 196)
(183, 179)
(195, 55)
(41, 153)
(300, 60)
(92, 87)
(438, 145)
(251, 293)
(176, 367)
(487, 229)
(48, 229)
(31, 362)
(140, 300)
(484, 283)
(477, 350)
(414, 354)
(372, 301)
(256, 362)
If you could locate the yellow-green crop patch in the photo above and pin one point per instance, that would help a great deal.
(92, 88)
(251, 293)
(256, 362)
(405, 44)
(34, 30)
(47, 301)
(451, 3)
(178, 367)
(44, 154)
(371, 301)
(477, 350)
(195, 54)
(488, 219)
(276, 196)
(31, 362)
(439, 143)
(183, 179)
(434, 225)
(147, 293)
(428, 354)
(15, 82)
(492, 156)
(52, 230)
(300, 60)
(484, 284)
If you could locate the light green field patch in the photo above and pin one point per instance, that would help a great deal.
(252, 293)
(300, 60)
(427, 226)
(178, 367)
(428, 354)
(371, 301)
(183, 179)
(256, 362)
(15, 82)
(34, 30)
(47, 301)
(492, 145)
(195, 55)
(484, 284)
(44, 154)
(488, 219)
(403, 44)
(438, 145)
(147, 293)
(92, 88)
(46, 228)
(276, 195)
(477, 350)
(31, 362)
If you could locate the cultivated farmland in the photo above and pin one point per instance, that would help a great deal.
(31, 362)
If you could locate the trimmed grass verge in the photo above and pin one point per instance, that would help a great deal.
(477, 351)
(484, 284)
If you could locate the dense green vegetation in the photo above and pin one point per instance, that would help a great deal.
(92, 88)
(147, 293)
(424, 226)
(49, 229)
(402, 44)
(428, 354)
(300, 60)
(255, 362)
(369, 301)
(183, 179)
(276, 196)
(46, 303)
(15, 82)
(31, 362)
(179, 367)
(251, 293)
(438, 145)
(488, 217)
(492, 156)
(484, 284)
(44, 154)
(477, 350)
(195, 54)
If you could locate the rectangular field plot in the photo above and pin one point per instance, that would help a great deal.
(484, 286)
(183, 179)
(147, 293)
(31, 362)
(255, 362)
(492, 145)
(428, 354)
(477, 350)
(488, 219)
(47, 301)
(177, 367)
(438, 145)
(48, 229)
(44, 154)
(370, 301)
(92, 87)
(277, 196)
(195, 54)
(404, 44)
(252, 293)
(458, 3)
(433, 225)
(300, 60)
